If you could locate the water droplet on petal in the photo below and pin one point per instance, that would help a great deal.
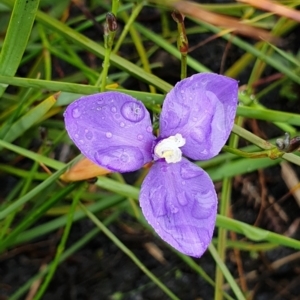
(173, 209)
(188, 171)
(89, 135)
(164, 168)
(76, 113)
(133, 111)
(124, 158)
(122, 124)
(204, 204)
(121, 159)
(158, 207)
(183, 182)
(182, 198)
(98, 108)
(76, 136)
(117, 116)
(140, 137)
(108, 134)
(113, 109)
(149, 128)
(81, 141)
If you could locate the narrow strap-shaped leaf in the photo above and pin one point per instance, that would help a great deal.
(17, 35)
(29, 119)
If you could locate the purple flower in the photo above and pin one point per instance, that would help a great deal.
(177, 197)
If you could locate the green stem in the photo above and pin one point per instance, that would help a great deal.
(182, 41)
(109, 36)
(272, 153)
(224, 211)
(238, 293)
(136, 38)
(104, 73)
(183, 73)
(128, 23)
(75, 247)
(61, 246)
(118, 243)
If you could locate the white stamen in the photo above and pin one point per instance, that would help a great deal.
(169, 148)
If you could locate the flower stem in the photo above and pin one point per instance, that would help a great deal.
(182, 41)
(110, 28)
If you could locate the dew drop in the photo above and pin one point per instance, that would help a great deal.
(88, 135)
(108, 134)
(113, 109)
(133, 111)
(164, 168)
(183, 182)
(124, 158)
(173, 209)
(117, 116)
(122, 124)
(188, 171)
(204, 204)
(120, 159)
(140, 137)
(98, 108)
(149, 128)
(76, 113)
(81, 141)
(182, 198)
(76, 136)
(182, 91)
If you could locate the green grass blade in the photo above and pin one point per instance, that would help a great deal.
(235, 288)
(34, 216)
(55, 224)
(61, 246)
(29, 119)
(16, 38)
(21, 201)
(255, 233)
(130, 254)
(191, 62)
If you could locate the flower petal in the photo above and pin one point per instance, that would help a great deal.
(179, 201)
(111, 129)
(202, 109)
